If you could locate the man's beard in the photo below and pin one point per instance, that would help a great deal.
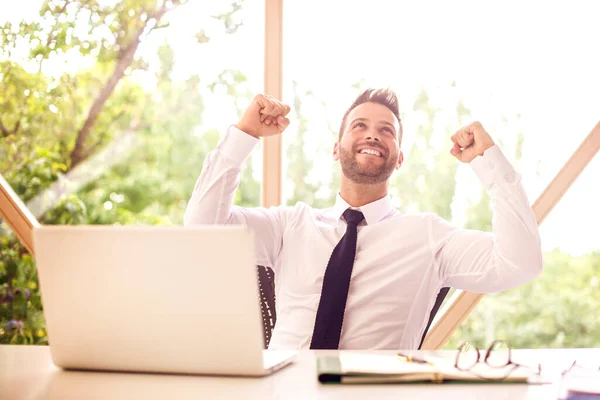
(366, 174)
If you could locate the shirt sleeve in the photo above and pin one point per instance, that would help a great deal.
(211, 202)
(484, 262)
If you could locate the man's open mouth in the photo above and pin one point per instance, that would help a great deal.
(371, 151)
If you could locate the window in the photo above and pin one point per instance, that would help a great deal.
(78, 150)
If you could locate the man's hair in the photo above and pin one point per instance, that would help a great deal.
(385, 97)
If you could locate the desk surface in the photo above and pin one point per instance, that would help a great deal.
(27, 372)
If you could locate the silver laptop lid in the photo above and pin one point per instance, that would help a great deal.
(160, 299)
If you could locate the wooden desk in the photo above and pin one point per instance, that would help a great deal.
(27, 372)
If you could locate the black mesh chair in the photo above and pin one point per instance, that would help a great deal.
(266, 285)
(436, 306)
(266, 288)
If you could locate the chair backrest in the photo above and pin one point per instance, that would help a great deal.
(266, 284)
(438, 303)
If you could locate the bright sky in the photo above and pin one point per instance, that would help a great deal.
(539, 60)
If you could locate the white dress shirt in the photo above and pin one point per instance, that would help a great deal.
(402, 260)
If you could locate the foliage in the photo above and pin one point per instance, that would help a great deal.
(21, 318)
(556, 310)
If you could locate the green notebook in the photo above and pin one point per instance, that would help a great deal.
(369, 368)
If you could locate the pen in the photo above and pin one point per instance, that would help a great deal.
(415, 359)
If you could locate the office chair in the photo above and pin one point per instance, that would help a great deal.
(266, 285)
(266, 288)
(436, 306)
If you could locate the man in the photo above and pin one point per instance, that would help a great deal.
(361, 275)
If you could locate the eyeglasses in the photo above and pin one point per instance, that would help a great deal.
(498, 355)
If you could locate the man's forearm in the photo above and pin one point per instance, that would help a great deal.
(212, 199)
(517, 245)
(483, 262)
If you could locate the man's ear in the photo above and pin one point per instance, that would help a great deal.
(400, 159)
(336, 151)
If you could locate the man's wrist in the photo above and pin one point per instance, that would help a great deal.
(237, 145)
(493, 167)
(246, 130)
(486, 146)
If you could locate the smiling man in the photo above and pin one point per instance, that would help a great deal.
(362, 275)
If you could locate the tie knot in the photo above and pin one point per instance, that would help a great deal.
(353, 216)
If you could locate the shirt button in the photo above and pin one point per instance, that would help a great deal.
(510, 177)
(491, 165)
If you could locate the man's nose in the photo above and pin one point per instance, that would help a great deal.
(372, 134)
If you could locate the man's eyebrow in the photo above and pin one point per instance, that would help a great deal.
(359, 119)
(367, 120)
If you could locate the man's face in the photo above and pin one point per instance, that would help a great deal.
(368, 149)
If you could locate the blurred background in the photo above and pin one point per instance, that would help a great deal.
(109, 107)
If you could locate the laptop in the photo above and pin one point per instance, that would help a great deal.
(153, 299)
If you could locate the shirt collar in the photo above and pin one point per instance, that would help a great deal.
(373, 212)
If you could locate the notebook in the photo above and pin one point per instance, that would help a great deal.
(373, 368)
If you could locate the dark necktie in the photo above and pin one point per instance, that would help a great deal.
(336, 282)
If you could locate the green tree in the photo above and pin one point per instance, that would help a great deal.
(50, 125)
(85, 111)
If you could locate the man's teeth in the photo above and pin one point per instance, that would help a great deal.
(369, 151)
